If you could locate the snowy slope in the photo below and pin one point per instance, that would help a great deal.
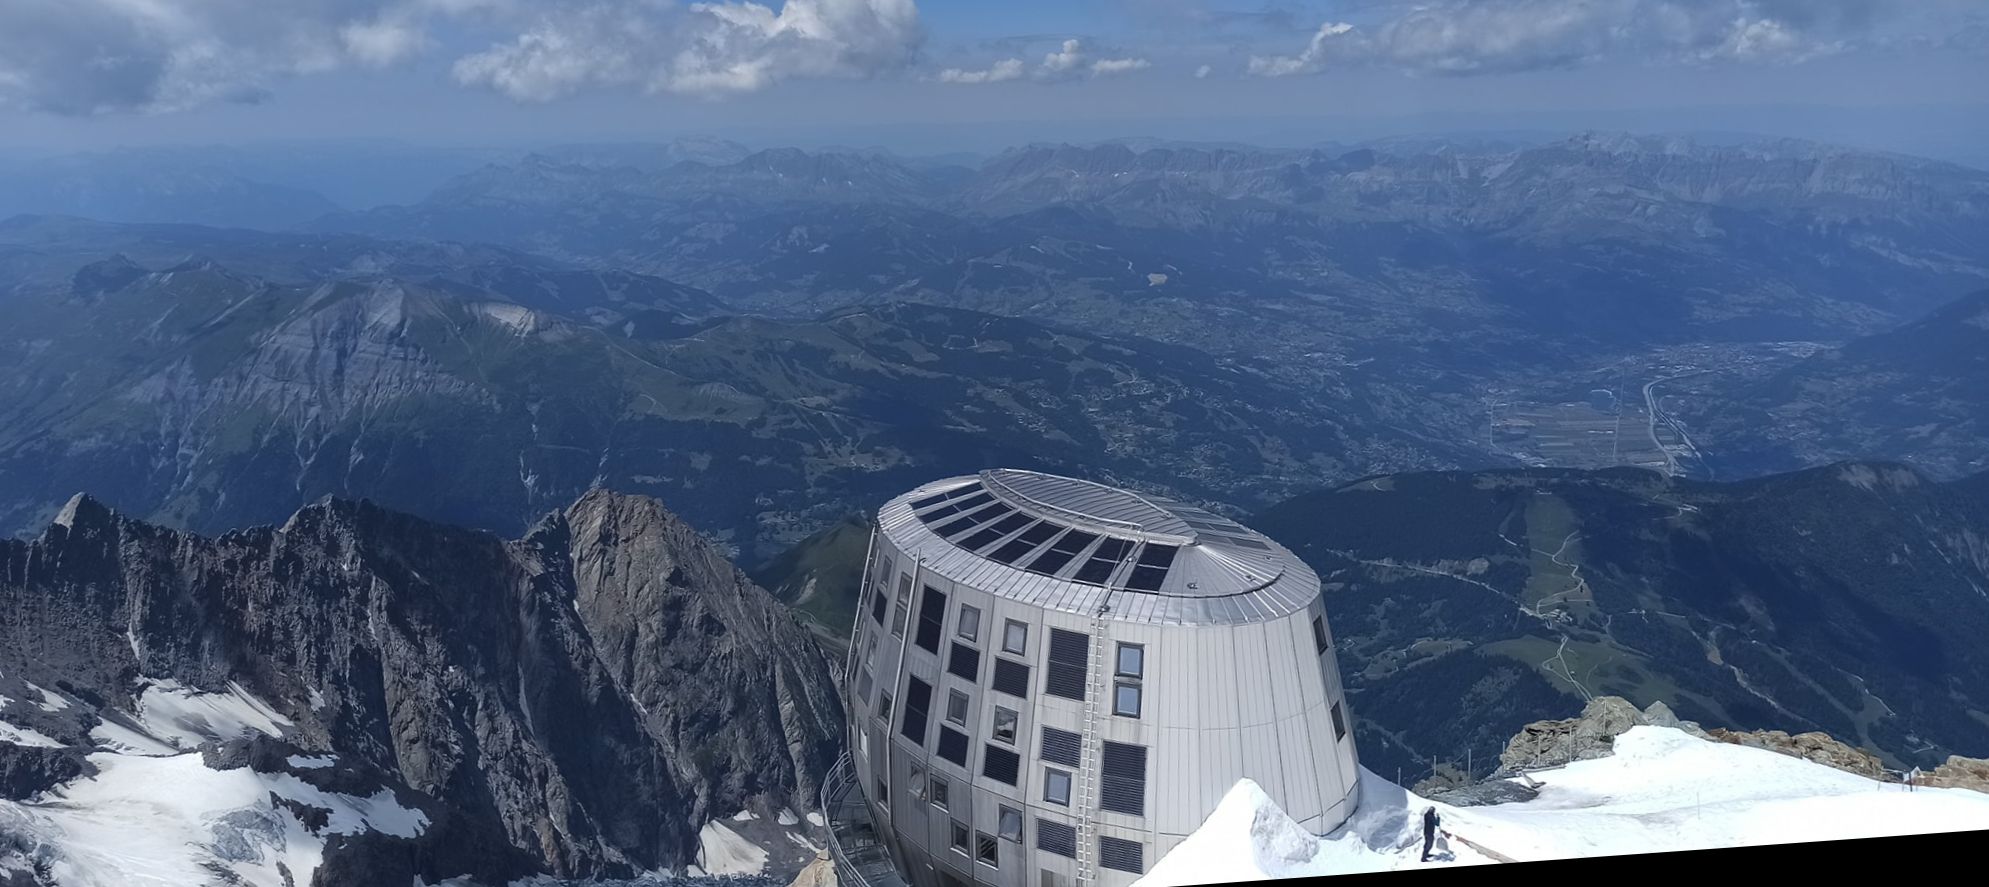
(155, 813)
(1661, 790)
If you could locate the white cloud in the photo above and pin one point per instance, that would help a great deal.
(1070, 60)
(1118, 66)
(384, 41)
(1006, 69)
(103, 56)
(1203, 72)
(1494, 36)
(1311, 59)
(1064, 60)
(708, 49)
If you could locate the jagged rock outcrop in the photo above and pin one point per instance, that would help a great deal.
(577, 703)
(1815, 747)
(1544, 744)
(1958, 772)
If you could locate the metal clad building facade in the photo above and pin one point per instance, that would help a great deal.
(1052, 682)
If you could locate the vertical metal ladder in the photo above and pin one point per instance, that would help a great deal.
(1088, 752)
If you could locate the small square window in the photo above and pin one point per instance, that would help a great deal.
(956, 707)
(1319, 641)
(884, 707)
(1011, 824)
(959, 837)
(1005, 721)
(918, 783)
(986, 851)
(940, 791)
(1126, 700)
(884, 796)
(1056, 787)
(1132, 661)
(970, 623)
(1339, 723)
(1015, 638)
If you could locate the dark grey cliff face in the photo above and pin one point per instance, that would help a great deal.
(579, 702)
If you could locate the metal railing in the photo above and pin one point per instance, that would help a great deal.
(860, 856)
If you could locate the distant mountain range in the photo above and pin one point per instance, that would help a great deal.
(1920, 392)
(481, 392)
(1847, 598)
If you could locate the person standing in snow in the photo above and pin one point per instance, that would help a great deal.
(1429, 831)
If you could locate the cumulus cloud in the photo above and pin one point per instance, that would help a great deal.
(1494, 36)
(1006, 69)
(1071, 60)
(1203, 72)
(708, 49)
(101, 56)
(1065, 60)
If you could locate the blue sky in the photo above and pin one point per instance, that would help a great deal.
(949, 74)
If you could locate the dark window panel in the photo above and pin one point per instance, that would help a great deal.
(1000, 764)
(953, 746)
(1121, 855)
(964, 662)
(1122, 782)
(1011, 677)
(918, 705)
(1064, 673)
(1056, 838)
(932, 620)
(1061, 746)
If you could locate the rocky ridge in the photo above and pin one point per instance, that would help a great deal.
(577, 703)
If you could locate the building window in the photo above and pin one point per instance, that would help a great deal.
(1339, 723)
(953, 746)
(970, 623)
(1319, 634)
(932, 620)
(864, 683)
(1010, 824)
(956, 707)
(1000, 764)
(958, 838)
(903, 607)
(918, 783)
(1064, 674)
(1056, 837)
(1050, 878)
(1010, 677)
(1056, 786)
(884, 795)
(939, 789)
(1119, 854)
(964, 663)
(918, 709)
(1061, 746)
(1126, 700)
(1005, 721)
(1122, 778)
(986, 851)
(884, 708)
(1015, 638)
(1132, 661)
(880, 592)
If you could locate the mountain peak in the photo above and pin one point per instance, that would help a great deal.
(85, 509)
